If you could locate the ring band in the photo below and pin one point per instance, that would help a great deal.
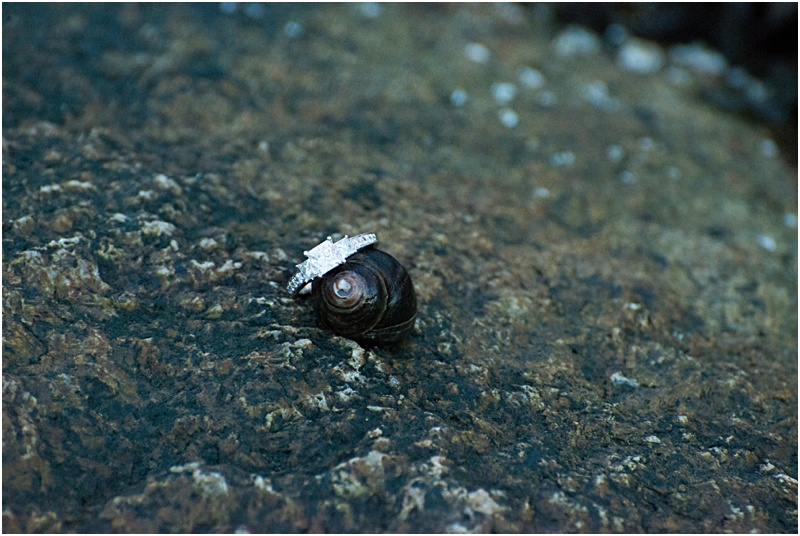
(326, 256)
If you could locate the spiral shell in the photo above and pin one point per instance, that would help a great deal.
(368, 298)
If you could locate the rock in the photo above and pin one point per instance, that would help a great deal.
(607, 328)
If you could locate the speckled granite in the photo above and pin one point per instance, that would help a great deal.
(606, 269)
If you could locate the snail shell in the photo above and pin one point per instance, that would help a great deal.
(368, 298)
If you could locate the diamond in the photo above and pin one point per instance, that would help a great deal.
(326, 256)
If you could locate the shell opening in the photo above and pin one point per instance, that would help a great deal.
(347, 290)
(343, 288)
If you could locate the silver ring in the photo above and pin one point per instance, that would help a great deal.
(326, 256)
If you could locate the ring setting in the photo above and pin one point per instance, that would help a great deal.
(326, 256)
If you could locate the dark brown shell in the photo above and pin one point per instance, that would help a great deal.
(368, 298)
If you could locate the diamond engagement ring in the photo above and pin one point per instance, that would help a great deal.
(326, 256)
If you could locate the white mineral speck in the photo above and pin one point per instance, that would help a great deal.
(370, 10)
(541, 192)
(508, 117)
(303, 343)
(50, 188)
(790, 220)
(503, 92)
(627, 177)
(477, 52)
(647, 144)
(23, 223)
(618, 379)
(191, 466)
(203, 266)
(374, 460)
(165, 183)
(78, 185)
(228, 8)
(596, 93)
(207, 243)
(766, 242)
(640, 57)
(482, 502)
(346, 394)
(699, 59)
(674, 173)
(157, 228)
(211, 483)
(615, 153)
(258, 255)
(214, 311)
(756, 91)
(530, 77)
(229, 267)
(652, 439)
(736, 512)
(576, 41)
(457, 528)
(458, 97)
(254, 10)
(768, 148)
(293, 29)
(563, 158)
(64, 243)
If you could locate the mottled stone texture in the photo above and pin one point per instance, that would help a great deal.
(607, 331)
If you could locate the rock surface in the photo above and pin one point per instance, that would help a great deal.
(606, 270)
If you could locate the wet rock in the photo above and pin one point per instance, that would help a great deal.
(607, 328)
